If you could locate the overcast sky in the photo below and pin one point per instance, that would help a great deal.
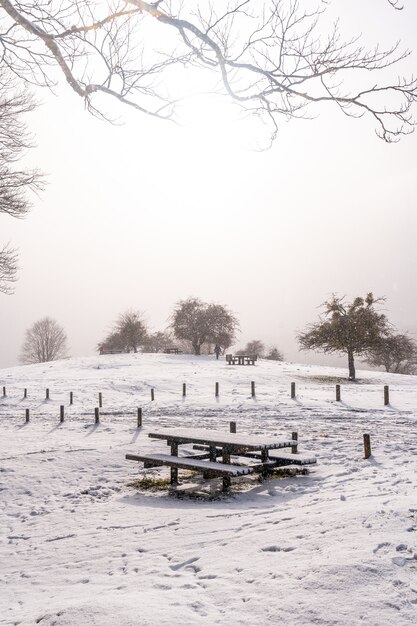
(142, 214)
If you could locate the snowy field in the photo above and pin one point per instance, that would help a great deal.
(81, 545)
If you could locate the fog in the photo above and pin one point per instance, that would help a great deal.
(143, 213)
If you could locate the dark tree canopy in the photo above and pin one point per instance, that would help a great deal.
(44, 341)
(274, 58)
(396, 353)
(274, 354)
(350, 328)
(203, 323)
(255, 347)
(128, 334)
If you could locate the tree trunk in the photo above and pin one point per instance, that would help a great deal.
(197, 349)
(352, 373)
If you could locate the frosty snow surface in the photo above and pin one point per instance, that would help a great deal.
(81, 544)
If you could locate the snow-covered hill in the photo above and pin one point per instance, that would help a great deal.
(81, 545)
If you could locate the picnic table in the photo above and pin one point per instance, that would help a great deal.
(173, 350)
(253, 448)
(241, 359)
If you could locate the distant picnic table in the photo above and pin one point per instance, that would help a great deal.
(241, 359)
(172, 350)
(253, 448)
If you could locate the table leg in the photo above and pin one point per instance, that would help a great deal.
(264, 459)
(174, 470)
(226, 459)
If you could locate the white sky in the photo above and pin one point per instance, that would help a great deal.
(146, 213)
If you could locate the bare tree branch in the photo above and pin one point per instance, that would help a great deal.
(275, 59)
(14, 182)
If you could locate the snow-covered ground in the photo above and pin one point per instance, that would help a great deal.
(81, 545)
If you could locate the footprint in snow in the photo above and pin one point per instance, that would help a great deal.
(278, 549)
(186, 564)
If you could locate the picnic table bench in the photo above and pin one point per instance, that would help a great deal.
(172, 351)
(241, 359)
(252, 449)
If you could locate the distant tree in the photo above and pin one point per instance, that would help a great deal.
(351, 328)
(256, 346)
(14, 181)
(396, 353)
(202, 323)
(112, 343)
(129, 333)
(44, 341)
(274, 354)
(156, 342)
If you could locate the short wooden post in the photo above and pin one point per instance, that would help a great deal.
(4, 392)
(252, 388)
(292, 390)
(100, 399)
(232, 427)
(71, 397)
(152, 395)
(47, 394)
(367, 445)
(61, 413)
(184, 390)
(338, 393)
(96, 415)
(386, 395)
(25, 393)
(27, 416)
(139, 418)
(216, 392)
(294, 437)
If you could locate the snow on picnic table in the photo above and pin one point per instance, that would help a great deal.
(80, 545)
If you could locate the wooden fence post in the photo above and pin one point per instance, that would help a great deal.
(25, 393)
(338, 393)
(139, 418)
(184, 390)
(71, 397)
(386, 395)
(367, 445)
(97, 415)
(232, 427)
(4, 392)
(294, 437)
(292, 390)
(61, 413)
(100, 399)
(216, 392)
(152, 394)
(252, 388)
(27, 416)
(47, 394)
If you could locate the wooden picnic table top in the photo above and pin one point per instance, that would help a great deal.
(218, 438)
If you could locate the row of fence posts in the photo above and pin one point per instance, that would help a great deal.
(216, 393)
(232, 426)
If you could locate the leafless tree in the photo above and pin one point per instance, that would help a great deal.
(129, 332)
(44, 341)
(202, 323)
(396, 353)
(274, 58)
(255, 347)
(14, 181)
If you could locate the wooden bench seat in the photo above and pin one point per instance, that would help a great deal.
(209, 469)
(155, 460)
